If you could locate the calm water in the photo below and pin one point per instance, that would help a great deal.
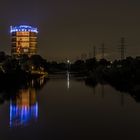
(67, 108)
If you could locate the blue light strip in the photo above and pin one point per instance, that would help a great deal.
(22, 115)
(23, 28)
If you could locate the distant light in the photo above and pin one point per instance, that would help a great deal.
(68, 61)
(22, 28)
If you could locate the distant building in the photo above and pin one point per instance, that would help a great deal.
(23, 40)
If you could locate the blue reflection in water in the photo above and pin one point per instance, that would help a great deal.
(23, 110)
(22, 115)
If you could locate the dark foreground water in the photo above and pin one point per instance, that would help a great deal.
(67, 108)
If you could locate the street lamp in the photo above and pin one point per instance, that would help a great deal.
(68, 65)
(68, 61)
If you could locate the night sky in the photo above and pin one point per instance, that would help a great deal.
(68, 28)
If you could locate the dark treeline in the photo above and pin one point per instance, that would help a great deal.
(124, 75)
(16, 73)
(126, 69)
(118, 70)
(11, 65)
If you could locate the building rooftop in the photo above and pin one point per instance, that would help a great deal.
(23, 28)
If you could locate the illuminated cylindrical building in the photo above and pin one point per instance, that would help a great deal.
(23, 40)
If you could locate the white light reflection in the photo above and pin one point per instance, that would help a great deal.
(68, 80)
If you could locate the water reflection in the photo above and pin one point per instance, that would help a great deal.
(89, 111)
(24, 105)
(130, 87)
(68, 80)
(23, 108)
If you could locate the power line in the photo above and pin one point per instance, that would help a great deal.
(103, 50)
(122, 48)
(94, 51)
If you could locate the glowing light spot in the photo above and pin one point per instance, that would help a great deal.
(23, 28)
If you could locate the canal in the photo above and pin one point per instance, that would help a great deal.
(66, 107)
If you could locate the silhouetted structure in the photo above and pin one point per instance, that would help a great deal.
(122, 48)
(94, 51)
(102, 50)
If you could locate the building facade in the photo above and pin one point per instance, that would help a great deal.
(23, 40)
